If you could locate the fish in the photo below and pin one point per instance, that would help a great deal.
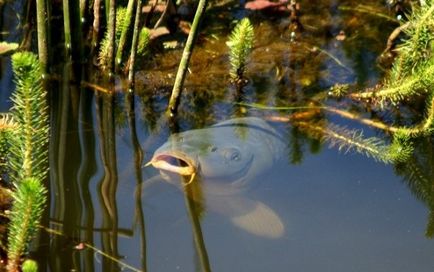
(228, 157)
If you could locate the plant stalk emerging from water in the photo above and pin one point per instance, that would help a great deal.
(183, 65)
(27, 158)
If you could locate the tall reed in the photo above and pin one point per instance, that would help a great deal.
(185, 59)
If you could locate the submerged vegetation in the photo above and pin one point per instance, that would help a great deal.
(133, 39)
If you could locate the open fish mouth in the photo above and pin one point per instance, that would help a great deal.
(174, 162)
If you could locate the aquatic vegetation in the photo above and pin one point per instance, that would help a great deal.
(143, 43)
(185, 59)
(29, 203)
(29, 266)
(24, 140)
(104, 57)
(125, 30)
(412, 73)
(240, 45)
(28, 142)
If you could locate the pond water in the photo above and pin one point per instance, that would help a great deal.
(339, 211)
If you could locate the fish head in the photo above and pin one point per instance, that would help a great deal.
(198, 152)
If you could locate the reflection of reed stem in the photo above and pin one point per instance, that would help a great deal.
(108, 184)
(197, 230)
(138, 158)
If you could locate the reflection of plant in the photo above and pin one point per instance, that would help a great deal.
(240, 44)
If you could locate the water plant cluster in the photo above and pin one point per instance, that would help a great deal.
(23, 139)
(410, 78)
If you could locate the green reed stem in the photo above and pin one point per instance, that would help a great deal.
(134, 45)
(96, 22)
(41, 16)
(67, 26)
(125, 31)
(111, 27)
(183, 65)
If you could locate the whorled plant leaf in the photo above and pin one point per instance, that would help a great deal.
(28, 151)
(29, 203)
(240, 45)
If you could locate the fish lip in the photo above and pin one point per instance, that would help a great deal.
(163, 160)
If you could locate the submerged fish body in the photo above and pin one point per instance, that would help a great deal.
(227, 157)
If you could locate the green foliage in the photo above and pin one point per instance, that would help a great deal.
(240, 45)
(29, 202)
(417, 48)
(339, 90)
(24, 138)
(28, 149)
(121, 24)
(346, 140)
(30, 266)
(413, 69)
(144, 39)
(401, 149)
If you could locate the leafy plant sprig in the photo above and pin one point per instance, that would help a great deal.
(240, 45)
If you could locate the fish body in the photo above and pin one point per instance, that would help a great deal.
(228, 155)
(226, 158)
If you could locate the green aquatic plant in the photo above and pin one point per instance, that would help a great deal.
(185, 59)
(124, 31)
(24, 140)
(30, 266)
(143, 43)
(240, 45)
(412, 72)
(104, 56)
(28, 149)
(347, 140)
(29, 203)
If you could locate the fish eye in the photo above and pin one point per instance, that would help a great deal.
(232, 154)
(236, 156)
